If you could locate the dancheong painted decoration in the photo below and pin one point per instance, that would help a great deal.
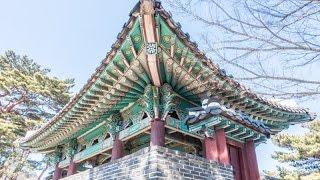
(156, 88)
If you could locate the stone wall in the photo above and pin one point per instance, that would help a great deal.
(157, 163)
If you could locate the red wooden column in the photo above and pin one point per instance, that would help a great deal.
(243, 161)
(210, 149)
(222, 146)
(252, 160)
(117, 149)
(57, 172)
(157, 132)
(72, 169)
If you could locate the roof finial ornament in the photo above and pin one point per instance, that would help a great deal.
(147, 7)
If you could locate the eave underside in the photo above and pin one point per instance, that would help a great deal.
(123, 77)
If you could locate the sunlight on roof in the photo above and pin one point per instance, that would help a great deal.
(285, 102)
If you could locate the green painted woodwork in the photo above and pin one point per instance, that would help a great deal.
(233, 131)
(107, 144)
(101, 131)
(169, 100)
(122, 93)
(71, 148)
(139, 142)
(88, 152)
(148, 100)
(104, 117)
(116, 123)
(57, 154)
(166, 35)
(135, 128)
(94, 91)
(182, 108)
(130, 123)
(51, 158)
(93, 150)
(177, 124)
(210, 122)
(168, 40)
(135, 113)
(64, 163)
(155, 98)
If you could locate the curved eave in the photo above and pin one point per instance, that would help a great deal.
(234, 89)
(88, 104)
(201, 114)
(74, 103)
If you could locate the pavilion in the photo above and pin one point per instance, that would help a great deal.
(156, 88)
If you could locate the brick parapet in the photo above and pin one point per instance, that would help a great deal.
(158, 163)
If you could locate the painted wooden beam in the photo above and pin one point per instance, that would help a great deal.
(150, 37)
(182, 139)
(64, 163)
(93, 150)
(135, 129)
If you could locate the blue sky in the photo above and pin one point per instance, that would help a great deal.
(71, 37)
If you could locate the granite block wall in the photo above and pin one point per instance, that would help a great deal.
(157, 163)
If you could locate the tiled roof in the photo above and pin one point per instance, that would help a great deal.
(215, 109)
(221, 72)
(241, 118)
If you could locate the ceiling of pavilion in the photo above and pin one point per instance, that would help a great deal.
(123, 75)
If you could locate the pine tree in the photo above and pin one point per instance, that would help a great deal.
(303, 153)
(29, 96)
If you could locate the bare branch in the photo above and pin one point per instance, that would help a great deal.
(270, 44)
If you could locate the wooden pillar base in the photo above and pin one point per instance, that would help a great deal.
(222, 146)
(117, 149)
(157, 133)
(252, 160)
(72, 169)
(210, 149)
(57, 172)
